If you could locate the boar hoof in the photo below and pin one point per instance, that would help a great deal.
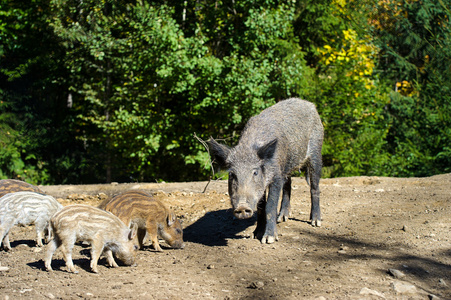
(282, 218)
(157, 247)
(316, 223)
(269, 239)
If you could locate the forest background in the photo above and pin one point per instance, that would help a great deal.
(97, 91)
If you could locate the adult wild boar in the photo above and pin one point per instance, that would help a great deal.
(283, 138)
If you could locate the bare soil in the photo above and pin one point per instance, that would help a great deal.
(370, 225)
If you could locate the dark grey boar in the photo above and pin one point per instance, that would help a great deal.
(26, 208)
(103, 230)
(283, 138)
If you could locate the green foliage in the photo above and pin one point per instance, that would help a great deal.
(142, 87)
(415, 39)
(349, 97)
(15, 161)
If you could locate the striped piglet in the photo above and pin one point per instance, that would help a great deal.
(26, 208)
(12, 185)
(153, 218)
(103, 230)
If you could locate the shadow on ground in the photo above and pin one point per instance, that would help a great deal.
(215, 227)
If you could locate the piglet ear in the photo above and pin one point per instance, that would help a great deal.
(171, 219)
(218, 152)
(267, 151)
(133, 231)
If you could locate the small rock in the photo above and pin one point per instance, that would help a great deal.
(37, 249)
(396, 273)
(367, 291)
(3, 269)
(442, 282)
(257, 285)
(210, 267)
(50, 296)
(341, 251)
(403, 288)
(433, 297)
(404, 228)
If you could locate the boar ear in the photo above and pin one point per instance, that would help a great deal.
(133, 231)
(171, 219)
(267, 151)
(218, 152)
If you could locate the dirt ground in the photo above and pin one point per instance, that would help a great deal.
(370, 225)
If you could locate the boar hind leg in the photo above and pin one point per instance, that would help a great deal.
(67, 247)
(96, 250)
(285, 207)
(314, 175)
(51, 248)
(141, 234)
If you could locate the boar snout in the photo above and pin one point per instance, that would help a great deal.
(178, 245)
(128, 261)
(243, 212)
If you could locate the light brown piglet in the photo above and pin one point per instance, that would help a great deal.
(12, 185)
(151, 216)
(103, 230)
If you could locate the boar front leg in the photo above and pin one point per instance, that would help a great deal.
(155, 243)
(4, 236)
(267, 214)
(109, 258)
(6, 243)
(261, 219)
(40, 225)
(270, 235)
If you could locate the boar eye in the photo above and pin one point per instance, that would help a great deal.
(255, 172)
(232, 175)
